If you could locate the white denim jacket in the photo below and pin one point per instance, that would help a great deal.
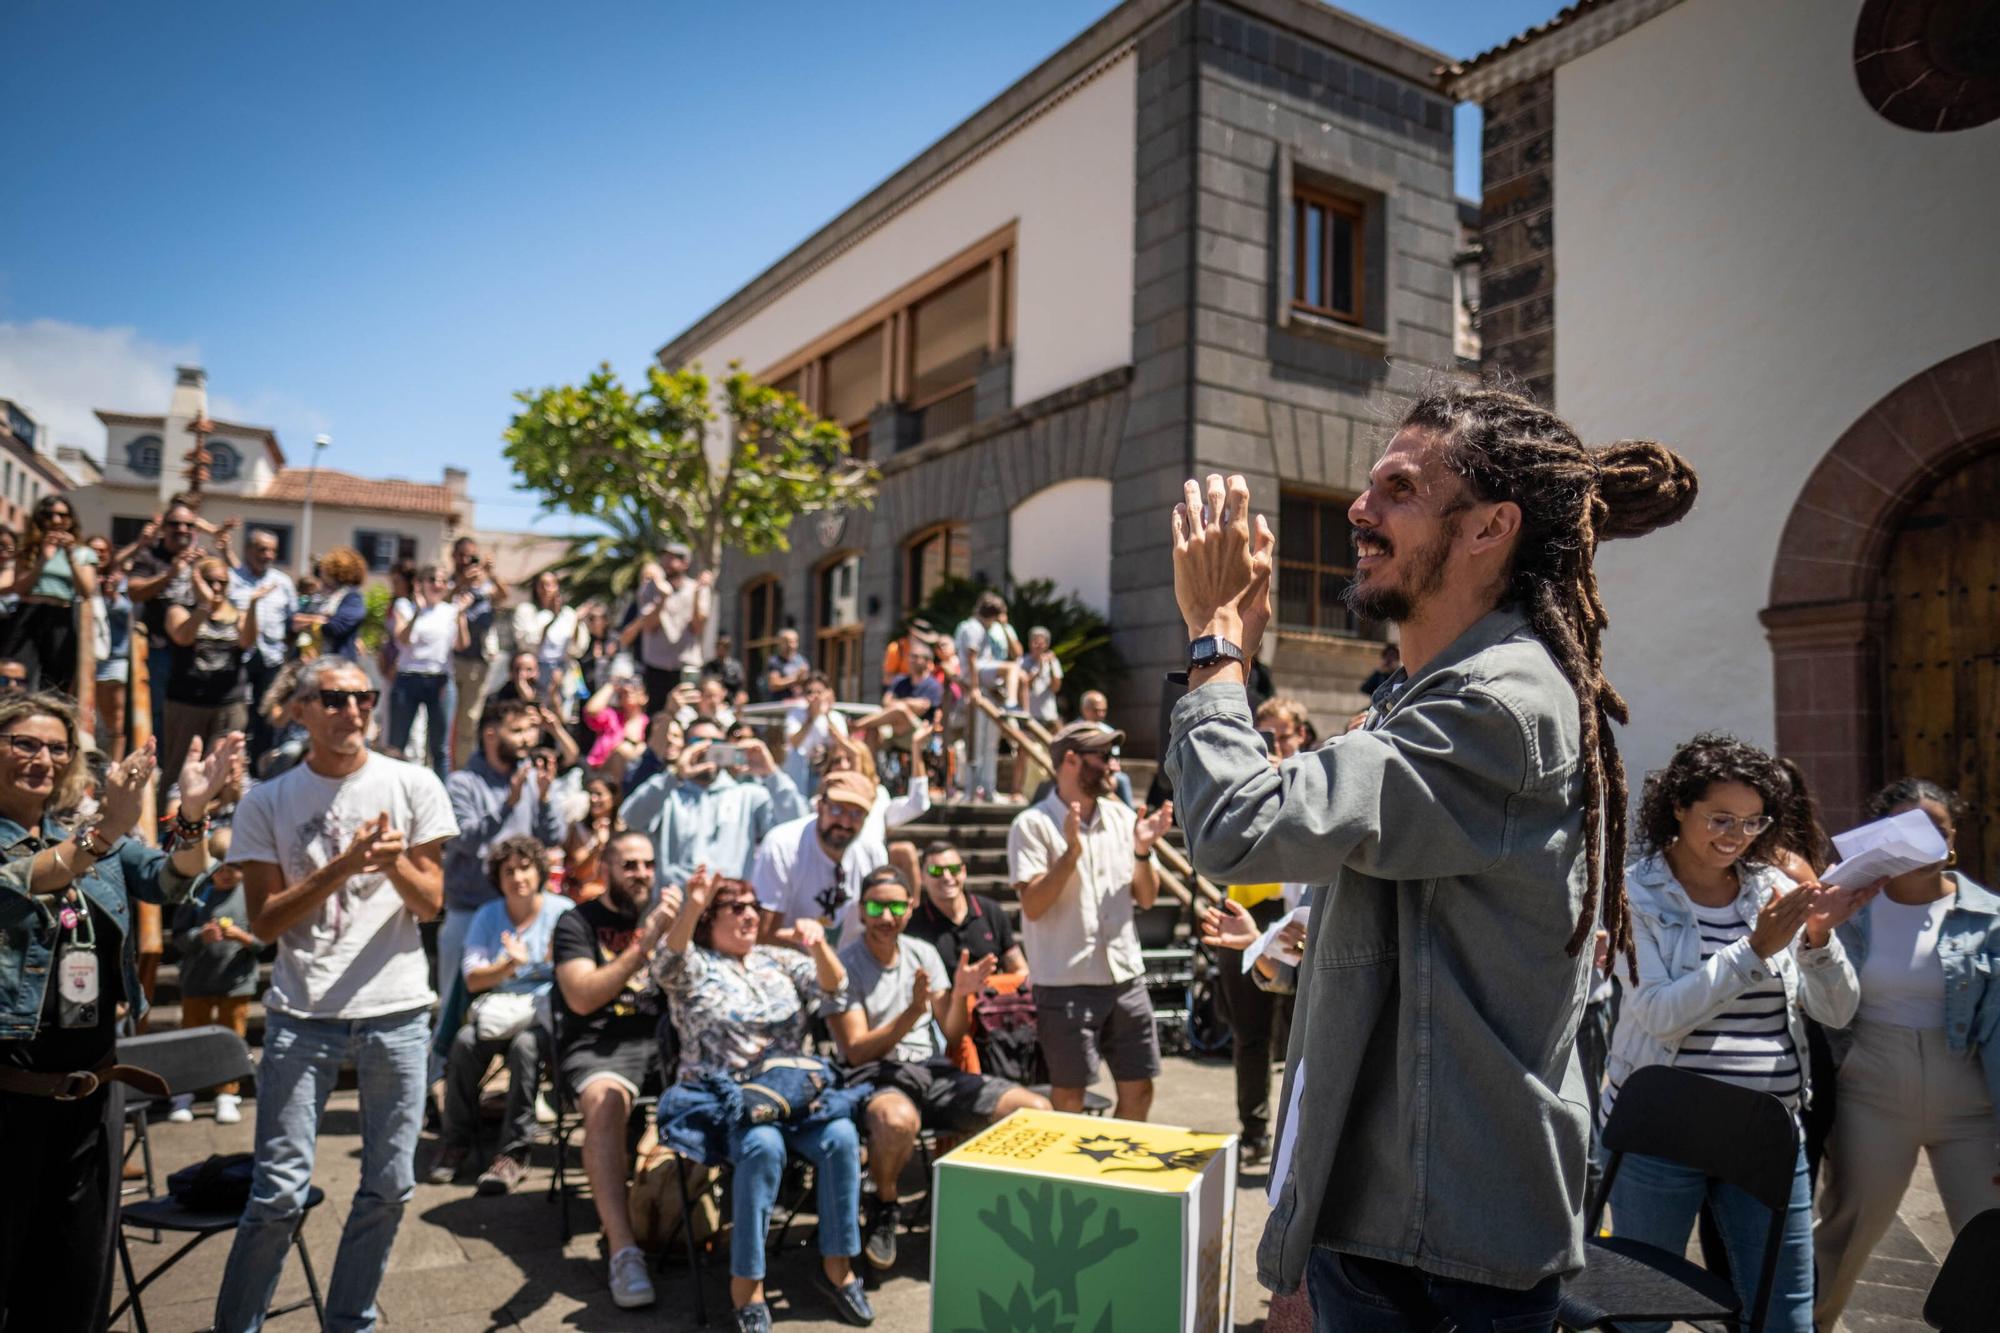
(1678, 992)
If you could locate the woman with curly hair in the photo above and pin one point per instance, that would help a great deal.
(54, 575)
(1920, 1068)
(341, 607)
(1732, 955)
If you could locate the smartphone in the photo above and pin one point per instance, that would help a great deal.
(690, 675)
(1270, 741)
(724, 755)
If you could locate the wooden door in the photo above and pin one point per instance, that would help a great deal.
(1941, 655)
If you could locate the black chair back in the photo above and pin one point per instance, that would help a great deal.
(1966, 1295)
(1743, 1138)
(1155, 925)
(189, 1059)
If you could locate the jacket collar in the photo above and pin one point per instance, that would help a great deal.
(1652, 880)
(11, 833)
(1972, 896)
(1490, 629)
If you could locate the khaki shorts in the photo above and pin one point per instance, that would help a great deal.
(1079, 1025)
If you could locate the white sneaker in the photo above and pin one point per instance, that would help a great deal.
(183, 1112)
(228, 1108)
(631, 1288)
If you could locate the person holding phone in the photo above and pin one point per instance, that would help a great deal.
(673, 611)
(699, 814)
(1732, 956)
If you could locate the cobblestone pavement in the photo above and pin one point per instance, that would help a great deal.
(467, 1263)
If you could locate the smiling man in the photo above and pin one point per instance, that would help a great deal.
(1465, 835)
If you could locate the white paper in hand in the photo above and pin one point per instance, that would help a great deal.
(1268, 941)
(1892, 846)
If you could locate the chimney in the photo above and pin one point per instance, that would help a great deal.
(189, 404)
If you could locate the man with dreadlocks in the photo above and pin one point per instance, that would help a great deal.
(1464, 834)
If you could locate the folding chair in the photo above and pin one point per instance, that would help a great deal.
(1743, 1138)
(192, 1060)
(1965, 1296)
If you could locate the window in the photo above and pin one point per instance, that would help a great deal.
(932, 556)
(1329, 275)
(142, 455)
(763, 617)
(853, 378)
(22, 428)
(837, 625)
(383, 549)
(282, 531)
(1929, 65)
(1315, 565)
(125, 530)
(948, 334)
(224, 462)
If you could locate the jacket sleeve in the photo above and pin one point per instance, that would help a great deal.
(17, 903)
(1425, 795)
(347, 616)
(150, 875)
(787, 801)
(1666, 1007)
(642, 808)
(477, 826)
(1828, 989)
(550, 827)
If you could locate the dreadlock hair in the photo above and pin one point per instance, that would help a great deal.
(1505, 447)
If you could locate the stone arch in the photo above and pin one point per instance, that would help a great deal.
(1825, 613)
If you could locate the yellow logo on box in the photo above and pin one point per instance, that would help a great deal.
(1158, 1158)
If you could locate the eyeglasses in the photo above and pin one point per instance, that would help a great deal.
(27, 747)
(940, 872)
(876, 908)
(19, 682)
(1721, 825)
(335, 700)
(736, 906)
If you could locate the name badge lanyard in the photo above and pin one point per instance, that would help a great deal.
(77, 980)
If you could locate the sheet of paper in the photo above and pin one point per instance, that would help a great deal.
(1268, 941)
(1281, 1160)
(1892, 846)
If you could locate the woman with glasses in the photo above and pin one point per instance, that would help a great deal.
(66, 909)
(1920, 1068)
(737, 1003)
(1732, 955)
(53, 573)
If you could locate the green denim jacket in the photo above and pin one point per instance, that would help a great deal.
(1447, 1125)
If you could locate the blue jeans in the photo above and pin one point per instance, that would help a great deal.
(1656, 1201)
(758, 1155)
(302, 1059)
(410, 693)
(1351, 1294)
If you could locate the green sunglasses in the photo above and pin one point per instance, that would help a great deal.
(875, 907)
(939, 872)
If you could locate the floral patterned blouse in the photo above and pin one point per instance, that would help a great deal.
(732, 1013)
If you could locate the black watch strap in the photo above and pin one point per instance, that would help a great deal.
(1212, 648)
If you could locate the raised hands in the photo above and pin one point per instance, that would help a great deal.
(515, 948)
(124, 787)
(1228, 926)
(1150, 826)
(921, 994)
(810, 934)
(971, 977)
(1833, 908)
(1779, 921)
(1222, 568)
(375, 847)
(205, 778)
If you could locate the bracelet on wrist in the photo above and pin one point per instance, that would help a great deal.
(91, 842)
(1142, 856)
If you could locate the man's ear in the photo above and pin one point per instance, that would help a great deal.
(1498, 525)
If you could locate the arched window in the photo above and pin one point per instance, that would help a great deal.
(763, 616)
(837, 623)
(224, 462)
(142, 455)
(939, 552)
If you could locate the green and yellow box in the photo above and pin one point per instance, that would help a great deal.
(1053, 1223)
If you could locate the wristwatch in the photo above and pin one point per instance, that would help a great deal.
(1210, 649)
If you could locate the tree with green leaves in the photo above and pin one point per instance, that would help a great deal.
(676, 461)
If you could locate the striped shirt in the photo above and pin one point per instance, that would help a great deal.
(1747, 1041)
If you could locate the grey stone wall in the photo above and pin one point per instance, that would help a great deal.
(1517, 271)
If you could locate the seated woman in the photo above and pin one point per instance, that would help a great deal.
(734, 1003)
(1732, 957)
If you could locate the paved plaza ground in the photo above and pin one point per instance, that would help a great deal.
(464, 1263)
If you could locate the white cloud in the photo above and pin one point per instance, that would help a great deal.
(62, 373)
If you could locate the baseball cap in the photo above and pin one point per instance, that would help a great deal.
(1085, 737)
(680, 549)
(849, 788)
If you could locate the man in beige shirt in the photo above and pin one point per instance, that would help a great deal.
(1081, 861)
(673, 612)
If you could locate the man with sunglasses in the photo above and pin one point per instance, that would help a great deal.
(342, 857)
(812, 868)
(162, 575)
(13, 675)
(949, 919)
(901, 1022)
(608, 1035)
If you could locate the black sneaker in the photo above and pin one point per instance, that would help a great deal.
(1252, 1149)
(850, 1302)
(879, 1244)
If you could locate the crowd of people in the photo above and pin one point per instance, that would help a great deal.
(567, 846)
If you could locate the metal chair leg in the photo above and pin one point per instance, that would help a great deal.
(131, 1285)
(312, 1280)
(687, 1232)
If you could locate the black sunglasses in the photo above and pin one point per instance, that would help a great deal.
(335, 700)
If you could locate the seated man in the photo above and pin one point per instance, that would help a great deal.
(901, 1022)
(949, 919)
(508, 970)
(913, 698)
(608, 1051)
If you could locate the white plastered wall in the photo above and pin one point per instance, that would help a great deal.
(1063, 533)
(1747, 258)
(1066, 178)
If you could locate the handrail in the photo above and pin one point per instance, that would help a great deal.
(1175, 871)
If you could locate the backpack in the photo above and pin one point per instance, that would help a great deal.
(654, 1201)
(221, 1184)
(1007, 1039)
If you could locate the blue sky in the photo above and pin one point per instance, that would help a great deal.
(377, 220)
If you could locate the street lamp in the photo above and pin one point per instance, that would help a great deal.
(303, 556)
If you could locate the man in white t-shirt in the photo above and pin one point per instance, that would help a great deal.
(342, 856)
(1081, 862)
(813, 866)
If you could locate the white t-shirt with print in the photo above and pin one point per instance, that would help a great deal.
(433, 633)
(360, 954)
(794, 877)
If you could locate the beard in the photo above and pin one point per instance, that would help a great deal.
(1398, 603)
(628, 899)
(836, 836)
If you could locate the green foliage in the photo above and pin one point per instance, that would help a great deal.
(1080, 637)
(645, 467)
(375, 623)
